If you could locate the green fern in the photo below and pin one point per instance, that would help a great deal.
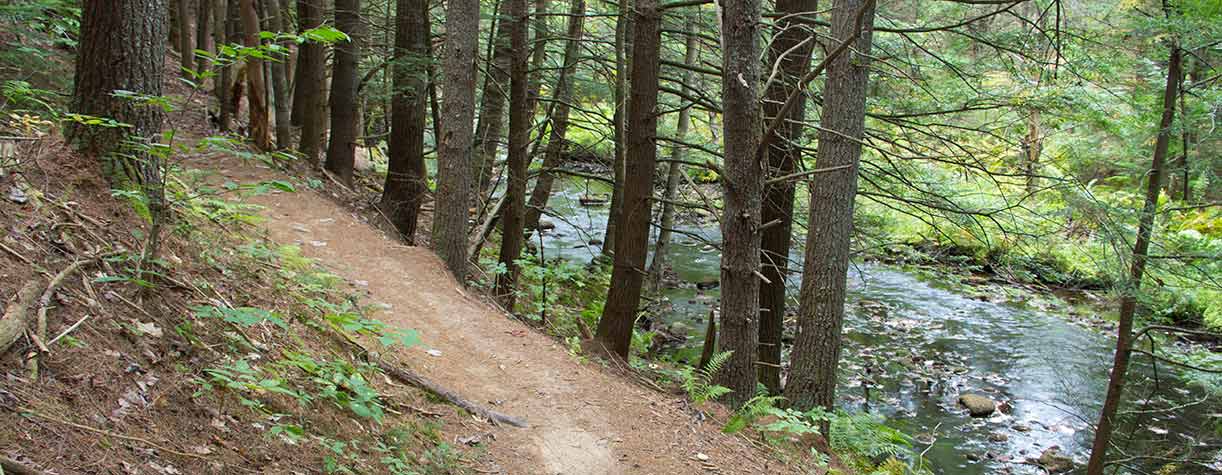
(699, 383)
(761, 405)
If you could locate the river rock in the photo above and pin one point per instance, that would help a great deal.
(977, 405)
(546, 224)
(1054, 461)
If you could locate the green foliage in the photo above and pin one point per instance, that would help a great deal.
(858, 438)
(249, 383)
(21, 95)
(698, 383)
(762, 404)
(341, 383)
(243, 316)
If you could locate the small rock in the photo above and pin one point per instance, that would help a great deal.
(1054, 461)
(702, 457)
(1020, 427)
(546, 224)
(434, 352)
(596, 242)
(977, 405)
(17, 196)
(998, 437)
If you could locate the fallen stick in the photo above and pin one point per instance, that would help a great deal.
(67, 331)
(415, 379)
(44, 302)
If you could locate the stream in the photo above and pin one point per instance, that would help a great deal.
(914, 345)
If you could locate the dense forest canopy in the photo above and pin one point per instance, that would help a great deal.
(753, 202)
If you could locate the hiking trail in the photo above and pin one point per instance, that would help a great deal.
(582, 419)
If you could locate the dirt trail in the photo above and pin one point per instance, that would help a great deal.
(583, 420)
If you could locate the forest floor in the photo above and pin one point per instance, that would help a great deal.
(584, 417)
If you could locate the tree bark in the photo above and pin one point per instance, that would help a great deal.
(405, 175)
(256, 96)
(341, 149)
(186, 34)
(122, 47)
(538, 54)
(512, 222)
(1033, 146)
(628, 271)
(559, 117)
(310, 86)
(224, 35)
(783, 154)
(623, 45)
(454, 167)
(203, 30)
(1137, 270)
(816, 352)
(280, 79)
(661, 250)
(492, 103)
(742, 189)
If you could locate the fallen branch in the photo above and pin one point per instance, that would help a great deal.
(14, 321)
(482, 232)
(12, 467)
(130, 438)
(415, 379)
(45, 301)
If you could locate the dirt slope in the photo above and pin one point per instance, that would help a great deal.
(583, 419)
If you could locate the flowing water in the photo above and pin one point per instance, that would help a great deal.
(913, 346)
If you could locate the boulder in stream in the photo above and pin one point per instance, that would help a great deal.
(1054, 461)
(977, 405)
(546, 224)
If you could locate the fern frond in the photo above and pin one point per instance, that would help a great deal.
(715, 364)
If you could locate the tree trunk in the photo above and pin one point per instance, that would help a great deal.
(628, 271)
(203, 30)
(816, 352)
(454, 164)
(1033, 145)
(553, 155)
(623, 27)
(492, 103)
(405, 174)
(256, 97)
(341, 149)
(122, 47)
(229, 27)
(305, 17)
(310, 86)
(742, 189)
(658, 266)
(1141, 246)
(512, 222)
(538, 54)
(280, 79)
(186, 34)
(784, 153)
